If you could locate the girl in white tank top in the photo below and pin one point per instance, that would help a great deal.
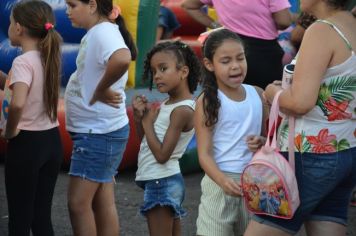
(229, 124)
(165, 131)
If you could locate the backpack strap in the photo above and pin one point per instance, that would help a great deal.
(273, 121)
(272, 125)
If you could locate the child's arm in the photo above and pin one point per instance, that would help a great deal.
(3, 77)
(205, 152)
(139, 106)
(18, 100)
(254, 142)
(181, 119)
(117, 66)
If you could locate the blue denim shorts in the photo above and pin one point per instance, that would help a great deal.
(96, 157)
(168, 191)
(325, 183)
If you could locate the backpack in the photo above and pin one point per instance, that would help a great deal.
(268, 182)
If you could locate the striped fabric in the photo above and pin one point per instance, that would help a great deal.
(220, 214)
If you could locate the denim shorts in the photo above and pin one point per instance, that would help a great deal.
(168, 191)
(96, 157)
(325, 183)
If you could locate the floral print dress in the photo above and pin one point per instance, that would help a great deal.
(331, 125)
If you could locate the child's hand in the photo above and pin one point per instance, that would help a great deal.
(271, 91)
(139, 106)
(254, 142)
(231, 187)
(151, 115)
(108, 96)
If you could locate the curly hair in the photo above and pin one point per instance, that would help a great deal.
(211, 102)
(185, 57)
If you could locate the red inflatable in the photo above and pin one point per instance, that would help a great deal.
(130, 156)
(190, 29)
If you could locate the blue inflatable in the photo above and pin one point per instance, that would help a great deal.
(71, 38)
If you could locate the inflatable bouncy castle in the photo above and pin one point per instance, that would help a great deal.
(141, 17)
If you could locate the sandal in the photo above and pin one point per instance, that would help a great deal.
(353, 199)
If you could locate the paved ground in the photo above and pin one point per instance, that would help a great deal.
(128, 199)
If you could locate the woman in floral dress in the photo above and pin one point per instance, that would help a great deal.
(322, 97)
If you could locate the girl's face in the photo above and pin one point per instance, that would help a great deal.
(14, 32)
(228, 64)
(165, 73)
(78, 13)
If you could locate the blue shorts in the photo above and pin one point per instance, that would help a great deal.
(325, 183)
(168, 191)
(168, 20)
(96, 157)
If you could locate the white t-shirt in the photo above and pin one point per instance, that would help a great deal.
(148, 167)
(96, 47)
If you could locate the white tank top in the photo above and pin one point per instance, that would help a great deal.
(148, 167)
(236, 121)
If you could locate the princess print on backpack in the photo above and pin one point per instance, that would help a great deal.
(268, 181)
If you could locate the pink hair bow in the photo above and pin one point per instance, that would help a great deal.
(49, 26)
(116, 11)
(202, 37)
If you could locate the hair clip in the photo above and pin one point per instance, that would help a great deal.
(48, 26)
(115, 12)
(183, 45)
(202, 37)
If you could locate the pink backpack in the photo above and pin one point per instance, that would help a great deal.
(268, 181)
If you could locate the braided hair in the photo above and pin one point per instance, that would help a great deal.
(185, 57)
(211, 102)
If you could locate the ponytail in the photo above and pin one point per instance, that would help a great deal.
(38, 18)
(211, 102)
(49, 48)
(127, 36)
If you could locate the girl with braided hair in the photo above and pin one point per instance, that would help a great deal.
(165, 132)
(229, 124)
